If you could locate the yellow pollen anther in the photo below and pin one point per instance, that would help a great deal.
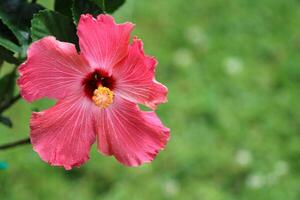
(103, 97)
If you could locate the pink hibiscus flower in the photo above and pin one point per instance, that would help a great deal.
(97, 93)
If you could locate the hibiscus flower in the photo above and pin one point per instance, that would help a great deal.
(97, 91)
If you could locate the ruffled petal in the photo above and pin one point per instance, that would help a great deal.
(53, 69)
(103, 42)
(63, 134)
(132, 136)
(135, 78)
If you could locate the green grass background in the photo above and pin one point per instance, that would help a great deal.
(233, 73)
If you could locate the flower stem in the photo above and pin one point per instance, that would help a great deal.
(14, 144)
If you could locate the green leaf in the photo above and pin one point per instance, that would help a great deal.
(7, 86)
(16, 15)
(53, 23)
(8, 56)
(110, 5)
(94, 7)
(64, 7)
(9, 45)
(6, 121)
(83, 7)
(7, 38)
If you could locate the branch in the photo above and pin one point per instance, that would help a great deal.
(9, 103)
(14, 144)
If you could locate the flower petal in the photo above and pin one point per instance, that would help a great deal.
(135, 78)
(103, 42)
(63, 134)
(132, 136)
(53, 69)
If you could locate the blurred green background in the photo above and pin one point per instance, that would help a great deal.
(232, 69)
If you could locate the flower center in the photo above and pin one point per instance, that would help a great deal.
(98, 87)
(103, 97)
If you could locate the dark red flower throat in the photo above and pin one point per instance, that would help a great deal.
(96, 79)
